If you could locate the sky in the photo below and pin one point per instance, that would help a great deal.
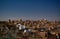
(30, 9)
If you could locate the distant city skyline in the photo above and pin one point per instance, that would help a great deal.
(30, 9)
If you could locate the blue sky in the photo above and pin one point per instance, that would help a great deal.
(30, 9)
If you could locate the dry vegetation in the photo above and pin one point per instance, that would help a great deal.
(8, 29)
